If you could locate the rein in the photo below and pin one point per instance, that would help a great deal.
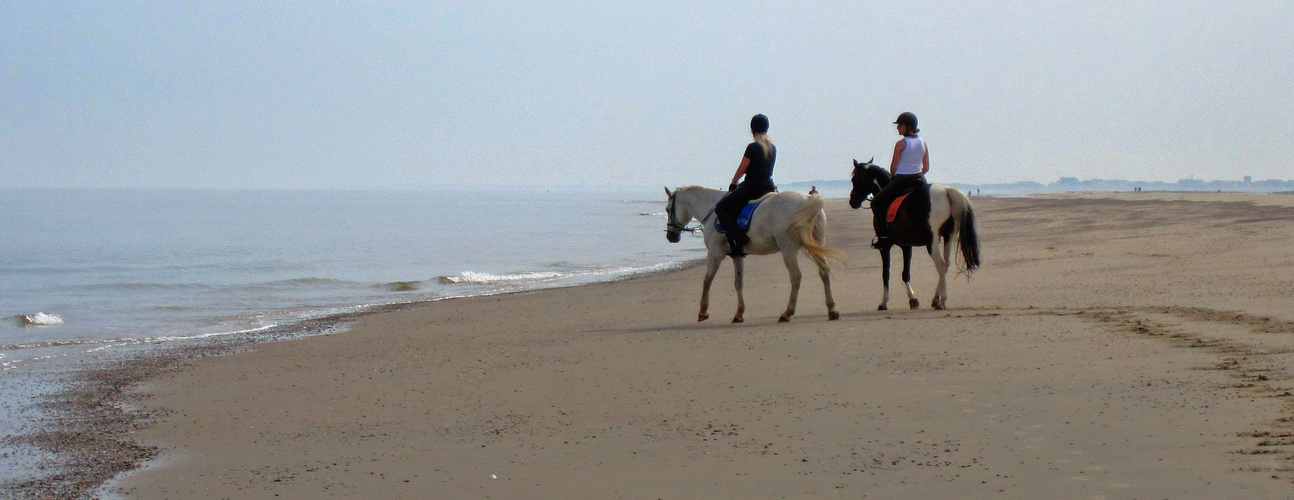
(669, 210)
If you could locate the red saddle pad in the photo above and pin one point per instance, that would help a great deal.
(893, 211)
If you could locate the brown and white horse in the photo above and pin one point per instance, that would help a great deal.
(938, 216)
(786, 222)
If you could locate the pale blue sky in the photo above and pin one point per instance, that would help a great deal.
(391, 94)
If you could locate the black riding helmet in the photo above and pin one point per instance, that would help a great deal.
(909, 119)
(759, 124)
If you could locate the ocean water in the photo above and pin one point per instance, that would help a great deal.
(86, 274)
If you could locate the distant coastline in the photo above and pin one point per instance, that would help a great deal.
(1247, 185)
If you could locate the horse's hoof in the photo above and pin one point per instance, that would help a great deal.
(702, 317)
(783, 319)
(882, 307)
(833, 315)
(738, 320)
(915, 304)
(938, 307)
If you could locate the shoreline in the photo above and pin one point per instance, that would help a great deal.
(87, 435)
(977, 307)
(87, 432)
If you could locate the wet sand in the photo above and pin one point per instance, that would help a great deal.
(1113, 345)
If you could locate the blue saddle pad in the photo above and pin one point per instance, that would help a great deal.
(743, 219)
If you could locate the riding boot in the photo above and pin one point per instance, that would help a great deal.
(737, 243)
(882, 229)
(736, 237)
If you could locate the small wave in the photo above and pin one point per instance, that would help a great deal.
(400, 286)
(621, 272)
(474, 278)
(37, 319)
(52, 343)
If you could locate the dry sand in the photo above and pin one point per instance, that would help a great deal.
(1112, 346)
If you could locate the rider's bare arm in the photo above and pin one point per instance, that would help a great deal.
(898, 153)
(741, 169)
(925, 161)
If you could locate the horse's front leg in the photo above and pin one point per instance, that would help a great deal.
(711, 268)
(738, 266)
(913, 303)
(792, 260)
(885, 278)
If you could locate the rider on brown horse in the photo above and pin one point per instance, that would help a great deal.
(908, 168)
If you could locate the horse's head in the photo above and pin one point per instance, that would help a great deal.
(673, 225)
(867, 180)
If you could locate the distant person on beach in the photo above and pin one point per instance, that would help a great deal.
(908, 170)
(757, 166)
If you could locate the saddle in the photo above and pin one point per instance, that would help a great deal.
(892, 211)
(743, 219)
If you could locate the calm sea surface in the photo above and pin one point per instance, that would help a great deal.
(88, 273)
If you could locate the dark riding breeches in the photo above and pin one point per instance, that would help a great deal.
(881, 202)
(730, 206)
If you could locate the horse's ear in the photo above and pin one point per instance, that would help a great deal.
(855, 162)
(873, 158)
(667, 193)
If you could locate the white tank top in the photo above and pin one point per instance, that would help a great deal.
(914, 150)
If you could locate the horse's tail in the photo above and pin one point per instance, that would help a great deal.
(964, 220)
(810, 221)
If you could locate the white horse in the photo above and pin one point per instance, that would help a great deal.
(786, 222)
(936, 218)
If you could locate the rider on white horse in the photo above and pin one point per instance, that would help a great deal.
(757, 166)
(908, 169)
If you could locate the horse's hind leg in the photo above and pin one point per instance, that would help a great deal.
(824, 272)
(792, 260)
(913, 303)
(711, 268)
(738, 266)
(941, 266)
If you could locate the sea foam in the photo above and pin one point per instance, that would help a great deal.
(486, 278)
(39, 319)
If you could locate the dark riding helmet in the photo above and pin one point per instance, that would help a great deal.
(759, 124)
(909, 119)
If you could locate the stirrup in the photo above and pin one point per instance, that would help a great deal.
(737, 249)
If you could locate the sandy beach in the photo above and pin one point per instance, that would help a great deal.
(1136, 345)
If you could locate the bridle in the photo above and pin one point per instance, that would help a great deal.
(671, 224)
(867, 197)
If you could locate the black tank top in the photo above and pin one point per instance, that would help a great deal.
(759, 172)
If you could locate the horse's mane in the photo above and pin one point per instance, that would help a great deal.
(882, 175)
(695, 186)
